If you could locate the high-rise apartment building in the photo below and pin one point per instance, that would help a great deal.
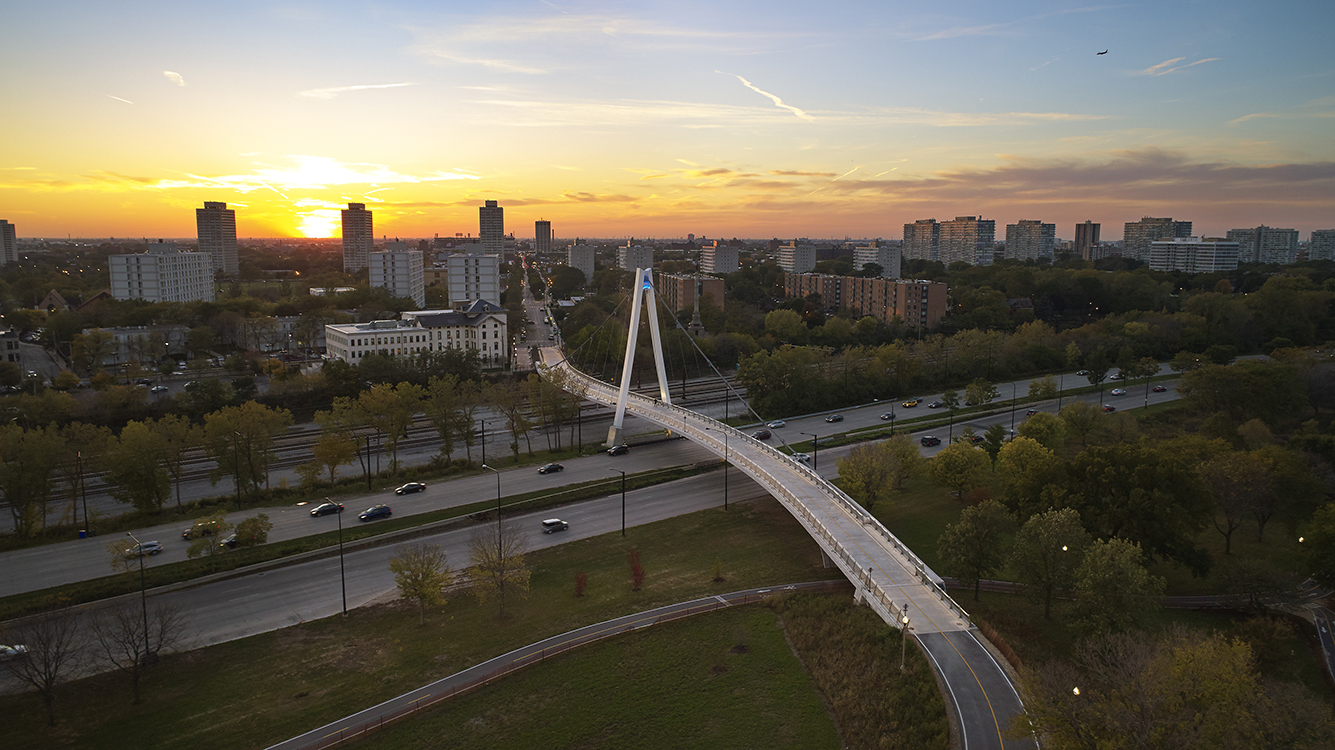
(1322, 246)
(401, 271)
(581, 257)
(474, 276)
(914, 303)
(358, 237)
(1265, 244)
(1193, 255)
(922, 240)
(9, 243)
(1030, 240)
(632, 257)
(542, 236)
(163, 274)
(678, 290)
(1137, 235)
(796, 257)
(886, 256)
(216, 226)
(967, 239)
(719, 257)
(491, 228)
(1086, 241)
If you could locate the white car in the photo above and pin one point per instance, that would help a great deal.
(802, 458)
(776, 424)
(1119, 391)
(147, 548)
(12, 652)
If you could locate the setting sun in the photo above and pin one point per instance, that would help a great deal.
(319, 224)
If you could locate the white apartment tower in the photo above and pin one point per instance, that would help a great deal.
(1322, 246)
(491, 228)
(1030, 240)
(795, 258)
(1265, 244)
(581, 257)
(1193, 255)
(216, 225)
(163, 274)
(631, 257)
(720, 258)
(967, 239)
(542, 236)
(358, 237)
(9, 243)
(473, 277)
(885, 256)
(401, 271)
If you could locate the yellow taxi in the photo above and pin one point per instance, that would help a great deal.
(910, 403)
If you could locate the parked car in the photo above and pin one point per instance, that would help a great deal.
(776, 424)
(374, 512)
(618, 450)
(550, 468)
(929, 441)
(1159, 388)
(144, 548)
(554, 524)
(1118, 391)
(762, 434)
(888, 415)
(324, 509)
(1109, 407)
(910, 403)
(835, 418)
(410, 488)
(936, 405)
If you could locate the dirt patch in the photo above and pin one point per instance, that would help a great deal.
(740, 648)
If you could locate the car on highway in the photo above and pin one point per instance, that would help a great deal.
(1109, 407)
(410, 488)
(776, 424)
(1159, 388)
(762, 434)
(975, 438)
(1117, 376)
(910, 403)
(888, 415)
(802, 458)
(1031, 412)
(550, 468)
(1119, 391)
(929, 441)
(229, 542)
(618, 450)
(936, 405)
(324, 509)
(554, 524)
(144, 548)
(374, 512)
(159, 389)
(835, 418)
(199, 529)
(14, 651)
(1082, 373)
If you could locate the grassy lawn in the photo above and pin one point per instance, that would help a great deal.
(273, 686)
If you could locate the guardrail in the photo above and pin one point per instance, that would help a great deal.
(706, 430)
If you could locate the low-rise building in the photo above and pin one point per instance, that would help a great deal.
(678, 290)
(915, 303)
(479, 326)
(1194, 255)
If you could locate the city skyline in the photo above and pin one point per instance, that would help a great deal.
(741, 119)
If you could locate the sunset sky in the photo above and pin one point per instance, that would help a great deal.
(746, 119)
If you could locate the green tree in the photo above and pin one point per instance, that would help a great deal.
(443, 409)
(253, 531)
(786, 326)
(90, 350)
(1113, 587)
(993, 440)
(1318, 545)
(200, 340)
(1081, 418)
(1046, 553)
(1045, 429)
(959, 466)
(1043, 388)
(865, 473)
(1238, 482)
(136, 467)
(980, 392)
(497, 566)
(971, 549)
(240, 439)
(180, 439)
(208, 545)
(421, 573)
(905, 459)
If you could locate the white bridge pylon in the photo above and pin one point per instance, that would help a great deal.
(643, 292)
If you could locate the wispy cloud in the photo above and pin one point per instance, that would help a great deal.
(117, 98)
(1168, 66)
(777, 101)
(333, 91)
(175, 78)
(1318, 108)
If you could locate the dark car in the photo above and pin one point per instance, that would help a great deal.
(1117, 376)
(975, 438)
(198, 530)
(229, 542)
(762, 434)
(1082, 373)
(888, 415)
(618, 450)
(554, 524)
(1159, 388)
(324, 509)
(835, 418)
(550, 468)
(1031, 412)
(935, 405)
(1109, 407)
(929, 441)
(374, 512)
(410, 488)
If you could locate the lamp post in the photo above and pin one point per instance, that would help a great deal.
(1012, 409)
(342, 574)
(143, 596)
(892, 420)
(815, 452)
(484, 441)
(236, 465)
(903, 634)
(623, 499)
(368, 463)
(1059, 390)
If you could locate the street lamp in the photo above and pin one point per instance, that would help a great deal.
(815, 452)
(903, 634)
(1012, 409)
(484, 441)
(623, 499)
(236, 465)
(342, 575)
(143, 597)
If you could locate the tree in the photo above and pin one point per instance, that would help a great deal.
(118, 633)
(980, 392)
(200, 339)
(993, 439)
(971, 548)
(1047, 551)
(1045, 429)
(1318, 545)
(253, 531)
(1237, 482)
(332, 450)
(180, 438)
(240, 440)
(508, 399)
(951, 401)
(208, 544)
(136, 467)
(1024, 463)
(443, 409)
(1113, 587)
(55, 653)
(390, 410)
(497, 567)
(1043, 388)
(28, 459)
(636, 570)
(421, 573)
(1081, 418)
(905, 459)
(89, 350)
(959, 466)
(866, 474)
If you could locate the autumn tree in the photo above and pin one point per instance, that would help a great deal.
(332, 450)
(421, 573)
(253, 531)
(136, 467)
(497, 566)
(1045, 429)
(28, 462)
(1047, 551)
(1043, 389)
(980, 392)
(240, 439)
(866, 473)
(208, 545)
(89, 350)
(442, 404)
(508, 398)
(971, 548)
(1113, 587)
(1318, 545)
(959, 466)
(1082, 419)
(904, 459)
(119, 637)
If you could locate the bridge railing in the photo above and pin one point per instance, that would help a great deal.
(707, 430)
